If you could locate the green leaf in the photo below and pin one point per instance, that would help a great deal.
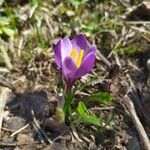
(77, 2)
(8, 31)
(35, 2)
(83, 116)
(102, 97)
(82, 109)
(4, 21)
(1, 31)
(88, 29)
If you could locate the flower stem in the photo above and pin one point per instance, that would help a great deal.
(68, 88)
(68, 99)
(67, 106)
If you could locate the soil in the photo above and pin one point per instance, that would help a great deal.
(30, 120)
(122, 135)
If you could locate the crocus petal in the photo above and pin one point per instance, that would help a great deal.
(86, 66)
(57, 53)
(66, 47)
(91, 49)
(69, 68)
(80, 42)
(62, 50)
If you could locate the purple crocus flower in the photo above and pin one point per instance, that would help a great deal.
(75, 57)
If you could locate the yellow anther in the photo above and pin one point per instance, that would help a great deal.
(77, 59)
(80, 57)
(74, 54)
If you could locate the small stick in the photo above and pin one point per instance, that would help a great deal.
(55, 9)
(3, 144)
(135, 119)
(4, 70)
(74, 133)
(41, 131)
(9, 130)
(5, 83)
(16, 132)
(137, 30)
(137, 123)
(4, 97)
(107, 62)
(5, 56)
(60, 136)
(117, 59)
(103, 108)
(138, 22)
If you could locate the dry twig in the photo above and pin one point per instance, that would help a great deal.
(137, 123)
(6, 58)
(131, 109)
(4, 97)
(16, 132)
(39, 129)
(104, 59)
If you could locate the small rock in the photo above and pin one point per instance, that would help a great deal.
(133, 144)
(58, 146)
(25, 138)
(15, 123)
